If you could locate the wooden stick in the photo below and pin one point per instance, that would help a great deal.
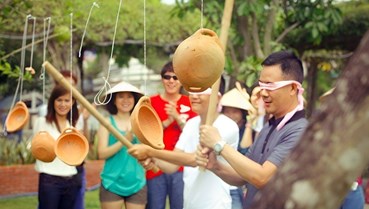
(61, 80)
(81, 99)
(226, 22)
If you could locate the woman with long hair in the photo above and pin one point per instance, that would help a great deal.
(58, 181)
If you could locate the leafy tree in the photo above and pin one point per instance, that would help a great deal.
(163, 31)
(7, 12)
(259, 28)
(315, 30)
(326, 59)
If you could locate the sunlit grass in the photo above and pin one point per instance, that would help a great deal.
(30, 202)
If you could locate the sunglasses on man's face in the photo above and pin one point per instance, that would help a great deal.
(168, 77)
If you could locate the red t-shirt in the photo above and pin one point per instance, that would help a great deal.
(172, 132)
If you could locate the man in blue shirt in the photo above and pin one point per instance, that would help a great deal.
(280, 82)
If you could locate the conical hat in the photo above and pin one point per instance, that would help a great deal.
(234, 98)
(124, 87)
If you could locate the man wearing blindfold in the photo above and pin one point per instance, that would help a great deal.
(281, 91)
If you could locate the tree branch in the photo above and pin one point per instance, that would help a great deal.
(30, 44)
(286, 31)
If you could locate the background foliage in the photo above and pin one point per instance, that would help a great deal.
(324, 33)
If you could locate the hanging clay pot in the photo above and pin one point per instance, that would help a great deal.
(198, 61)
(146, 124)
(71, 147)
(42, 147)
(17, 118)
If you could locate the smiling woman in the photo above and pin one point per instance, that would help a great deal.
(62, 113)
(122, 178)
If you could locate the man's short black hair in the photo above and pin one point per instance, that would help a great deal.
(290, 64)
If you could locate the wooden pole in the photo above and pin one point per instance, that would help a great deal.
(226, 22)
(81, 99)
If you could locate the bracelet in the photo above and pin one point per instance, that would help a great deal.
(248, 125)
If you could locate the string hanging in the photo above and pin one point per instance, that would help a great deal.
(202, 14)
(71, 66)
(84, 32)
(30, 68)
(23, 55)
(106, 87)
(45, 39)
(21, 71)
(145, 52)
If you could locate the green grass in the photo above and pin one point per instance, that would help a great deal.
(92, 199)
(30, 202)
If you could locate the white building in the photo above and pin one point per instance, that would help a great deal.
(136, 73)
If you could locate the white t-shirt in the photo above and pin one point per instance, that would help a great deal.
(56, 167)
(203, 189)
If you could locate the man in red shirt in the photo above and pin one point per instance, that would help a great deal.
(174, 110)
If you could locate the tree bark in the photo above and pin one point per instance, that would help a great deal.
(311, 86)
(255, 36)
(270, 25)
(334, 149)
(243, 28)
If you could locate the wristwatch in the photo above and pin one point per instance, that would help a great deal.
(218, 147)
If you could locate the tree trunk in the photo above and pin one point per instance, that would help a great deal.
(255, 36)
(311, 86)
(270, 26)
(334, 149)
(243, 29)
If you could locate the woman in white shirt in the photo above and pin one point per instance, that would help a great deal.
(58, 182)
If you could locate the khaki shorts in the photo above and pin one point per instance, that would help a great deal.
(139, 197)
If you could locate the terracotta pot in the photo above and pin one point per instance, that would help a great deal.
(71, 147)
(199, 60)
(146, 124)
(17, 118)
(42, 146)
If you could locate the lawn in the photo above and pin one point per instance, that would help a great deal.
(30, 202)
